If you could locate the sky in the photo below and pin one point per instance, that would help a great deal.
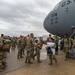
(22, 17)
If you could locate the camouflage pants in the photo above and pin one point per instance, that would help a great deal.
(4, 63)
(29, 55)
(52, 57)
(32, 52)
(13, 46)
(23, 51)
(38, 54)
(19, 53)
(1, 60)
(66, 49)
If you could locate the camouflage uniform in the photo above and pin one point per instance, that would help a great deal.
(13, 43)
(39, 47)
(74, 43)
(20, 48)
(1, 61)
(29, 49)
(24, 44)
(6, 48)
(1, 55)
(50, 51)
(67, 45)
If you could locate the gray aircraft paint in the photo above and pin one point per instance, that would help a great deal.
(60, 20)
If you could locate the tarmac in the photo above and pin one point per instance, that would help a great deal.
(19, 67)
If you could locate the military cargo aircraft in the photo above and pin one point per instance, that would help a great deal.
(60, 20)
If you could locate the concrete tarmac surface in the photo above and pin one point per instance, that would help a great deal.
(19, 67)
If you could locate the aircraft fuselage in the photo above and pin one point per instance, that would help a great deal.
(60, 20)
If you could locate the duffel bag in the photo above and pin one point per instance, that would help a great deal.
(6, 47)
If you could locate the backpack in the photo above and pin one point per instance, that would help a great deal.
(49, 51)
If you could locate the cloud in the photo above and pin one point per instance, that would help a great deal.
(24, 16)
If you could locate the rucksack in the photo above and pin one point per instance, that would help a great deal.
(49, 51)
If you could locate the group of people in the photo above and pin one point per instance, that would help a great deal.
(26, 46)
(29, 45)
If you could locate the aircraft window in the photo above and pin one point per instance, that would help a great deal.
(51, 19)
(67, 9)
(56, 21)
(63, 4)
(56, 18)
(68, 2)
(53, 15)
(56, 7)
(51, 23)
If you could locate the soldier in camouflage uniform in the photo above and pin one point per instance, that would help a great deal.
(1, 55)
(13, 43)
(51, 51)
(3, 52)
(30, 48)
(67, 45)
(24, 39)
(1, 61)
(48, 39)
(20, 47)
(6, 48)
(74, 42)
(38, 48)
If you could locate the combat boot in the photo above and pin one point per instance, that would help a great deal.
(39, 61)
(1, 67)
(4, 65)
(50, 64)
(56, 61)
(22, 57)
(18, 57)
(1, 70)
(29, 62)
(26, 60)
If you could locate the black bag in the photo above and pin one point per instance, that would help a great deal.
(49, 51)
